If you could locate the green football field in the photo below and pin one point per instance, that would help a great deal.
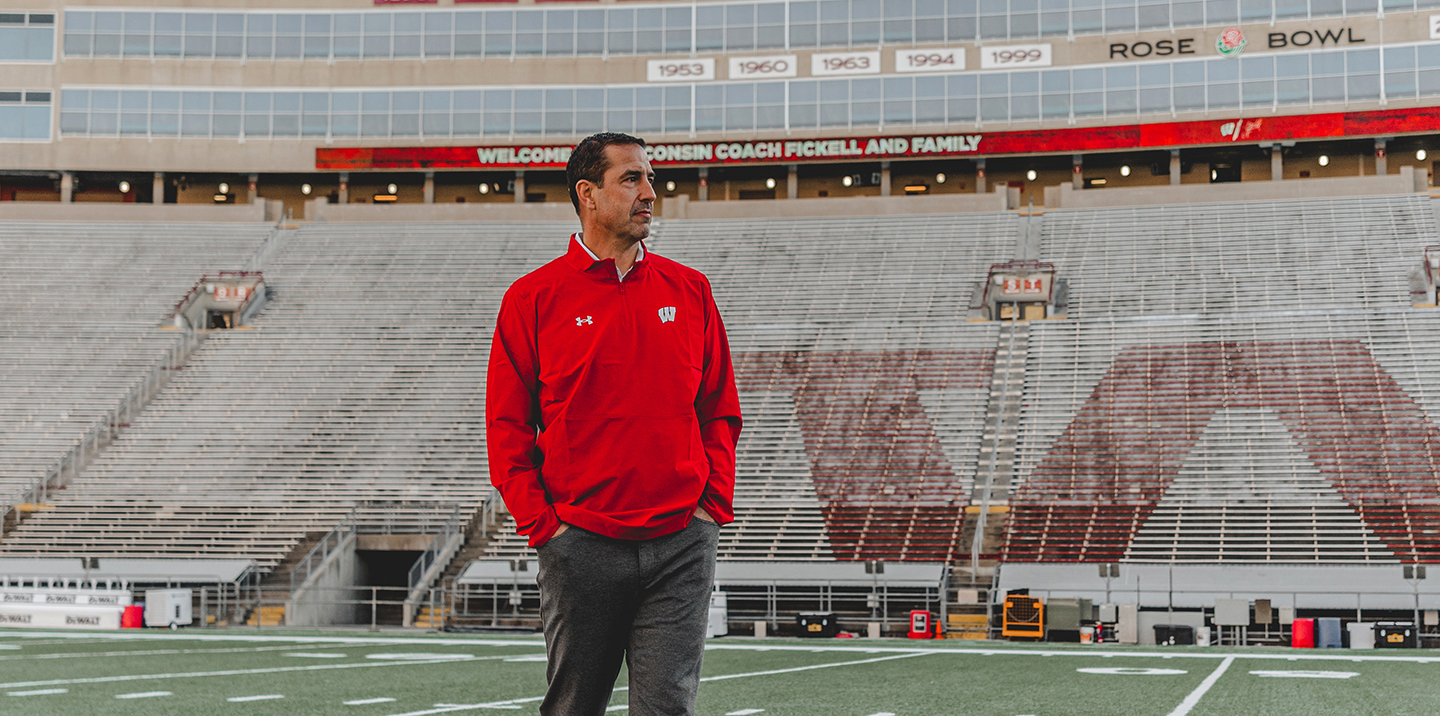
(218, 672)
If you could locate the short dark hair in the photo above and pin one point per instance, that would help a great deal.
(588, 160)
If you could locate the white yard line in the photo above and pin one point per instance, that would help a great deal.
(514, 703)
(39, 692)
(168, 652)
(1199, 692)
(812, 667)
(241, 672)
(262, 697)
(738, 644)
(144, 695)
(362, 702)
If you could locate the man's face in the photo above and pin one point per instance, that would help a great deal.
(626, 198)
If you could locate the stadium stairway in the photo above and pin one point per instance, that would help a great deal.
(275, 585)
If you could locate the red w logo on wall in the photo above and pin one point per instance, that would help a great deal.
(1105, 474)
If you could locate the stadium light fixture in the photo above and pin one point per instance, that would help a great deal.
(306, 189)
(392, 189)
(124, 187)
(484, 189)
(1125, 170)
(846, 180)
(1030, 175)
(224, 188)
(669, 186)
(770, 183)
(1420, 155)
(940, 178)
(1324, 160)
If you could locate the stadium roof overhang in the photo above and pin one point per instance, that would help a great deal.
(1071, 140)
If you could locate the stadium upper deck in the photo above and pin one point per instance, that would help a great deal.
(211, 94)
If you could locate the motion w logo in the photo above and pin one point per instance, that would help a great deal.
(667, 314)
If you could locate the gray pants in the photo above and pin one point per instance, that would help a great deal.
(605, 600)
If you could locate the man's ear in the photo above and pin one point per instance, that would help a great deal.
(585, 189)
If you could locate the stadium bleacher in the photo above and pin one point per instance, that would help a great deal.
(1245, 382)
(1348, 254)
(78, 336)
(363, 381)
(865, 388)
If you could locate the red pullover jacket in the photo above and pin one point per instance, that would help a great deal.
(611, 405)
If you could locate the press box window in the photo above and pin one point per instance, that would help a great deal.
(27, 37)
(24, 116)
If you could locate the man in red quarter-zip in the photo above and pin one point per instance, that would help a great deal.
(612, 419)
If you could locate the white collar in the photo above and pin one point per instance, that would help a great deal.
(638, 256)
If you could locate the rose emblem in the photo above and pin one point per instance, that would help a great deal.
(1230, 42)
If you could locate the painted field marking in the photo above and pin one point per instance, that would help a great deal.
(1130, 671)
(9, 647)
(620, 707)
(316, 655)
(39, 692)
(812, 667)
(170, 652)
(376, 700)
(496, 705)
(262, 697)
(1305, 674)
(1199, 692)
(745, 712)
(538, 658)
(449, 708)
(144, 695)
(883, 713)
(416, 656)
(739, 644)
(235, 672)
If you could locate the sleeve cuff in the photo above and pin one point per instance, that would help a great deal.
(544, 528)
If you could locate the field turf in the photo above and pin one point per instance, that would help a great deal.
(242, 672)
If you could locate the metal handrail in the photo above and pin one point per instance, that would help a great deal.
(305, 569)
(101, 430)
(452, 527)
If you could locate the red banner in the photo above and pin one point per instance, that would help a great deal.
(1041, 141)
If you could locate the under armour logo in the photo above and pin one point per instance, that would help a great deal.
(667, 314)
(586, 321)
